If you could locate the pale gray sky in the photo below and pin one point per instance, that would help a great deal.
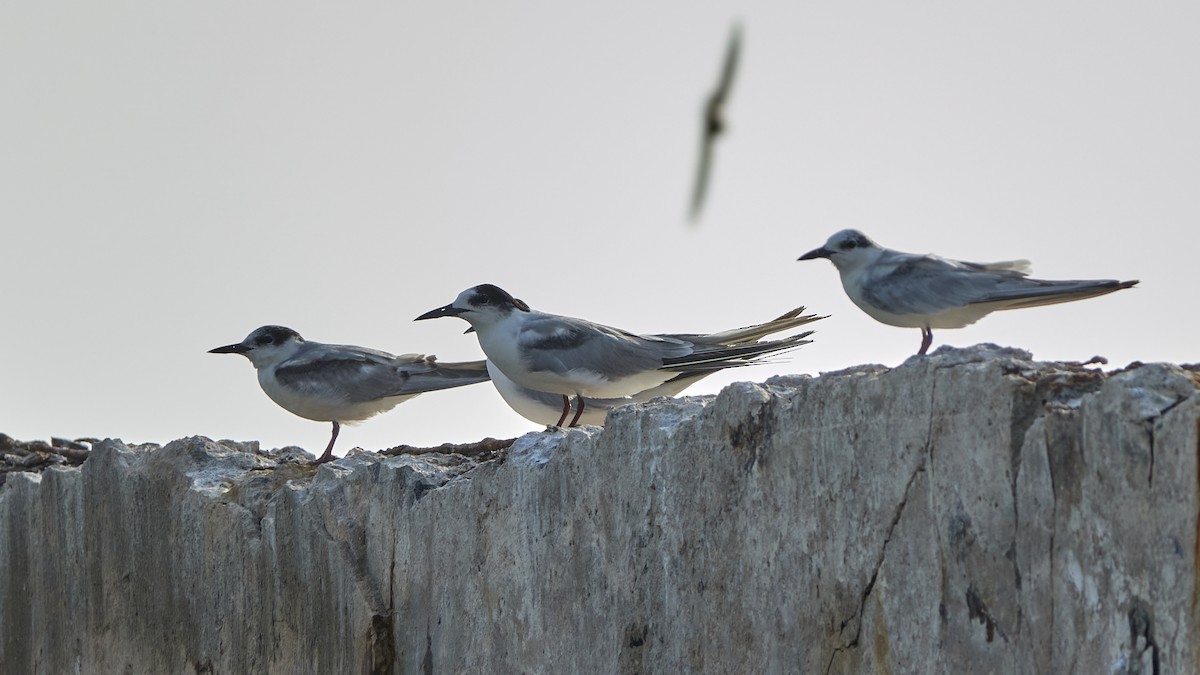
(174, 175)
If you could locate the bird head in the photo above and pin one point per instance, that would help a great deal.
(266, 346)
(481, 306)
(848, 249)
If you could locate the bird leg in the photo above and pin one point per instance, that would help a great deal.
(579, 410)
(328, 456)
(926, 340)
(566, 409)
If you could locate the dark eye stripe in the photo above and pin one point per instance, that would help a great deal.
(855, 240)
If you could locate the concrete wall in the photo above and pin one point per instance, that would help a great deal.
(968, 512)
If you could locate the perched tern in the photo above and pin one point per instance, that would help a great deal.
(577, 358)
(343, 384)
(927, 292)
(546, 407)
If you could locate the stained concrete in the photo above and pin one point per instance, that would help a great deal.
(973, 511)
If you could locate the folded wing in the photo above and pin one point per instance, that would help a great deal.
(560, 345)
(928, 285)
(356, 374)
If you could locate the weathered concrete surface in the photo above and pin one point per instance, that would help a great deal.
(968, 512)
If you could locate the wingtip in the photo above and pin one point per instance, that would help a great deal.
(790, 315)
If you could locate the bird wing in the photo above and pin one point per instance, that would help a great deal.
(903, 283)
(733, 53)
(749, 334)
(561, 344)
(711, 357)
(426, 373)
(703, 169)
(917, 284)
(1021, 267)
(358, 374)
(1039, 292)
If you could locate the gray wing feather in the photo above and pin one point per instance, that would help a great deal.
(710, 357)
(927, 285)
(750, 334)
(915, 284)
(360, 374)
(433, 375)
(560, 344)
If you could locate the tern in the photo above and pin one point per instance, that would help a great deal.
(546, 407)
(581, 359)
(343, 384)
(924, 291)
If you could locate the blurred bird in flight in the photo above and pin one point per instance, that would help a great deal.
(713, 120)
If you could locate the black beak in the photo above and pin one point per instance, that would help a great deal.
(239, 348)
(448, 310)
(816, 253)
(469, 330)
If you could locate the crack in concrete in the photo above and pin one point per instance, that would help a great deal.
(1141, 629)
(1053, 534)
(388, 654)
(352, 549)
(1151, 423)
(1150, 444)
(748, 435)
(978, 609)
(862, 602)
(1173, 406)
(381, 649)
(1027, 410)
(1196, 545)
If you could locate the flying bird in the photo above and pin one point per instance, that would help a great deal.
(712, 122)
(575, 358)
(546, 407)
(924, 291)
(343, 384)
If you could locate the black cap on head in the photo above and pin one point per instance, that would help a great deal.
(268, 335)
(488, 294)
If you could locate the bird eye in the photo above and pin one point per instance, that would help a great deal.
(264, 339)
(848, 245)
(482, 300)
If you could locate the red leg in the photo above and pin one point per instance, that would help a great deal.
(926, 340)
(579, 410)
(328, 456)
(566, 409)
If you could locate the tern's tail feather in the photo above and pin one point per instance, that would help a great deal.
(717, 358)
(1038, 292)
(750, 334)
(737, 336)
(438, 375)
